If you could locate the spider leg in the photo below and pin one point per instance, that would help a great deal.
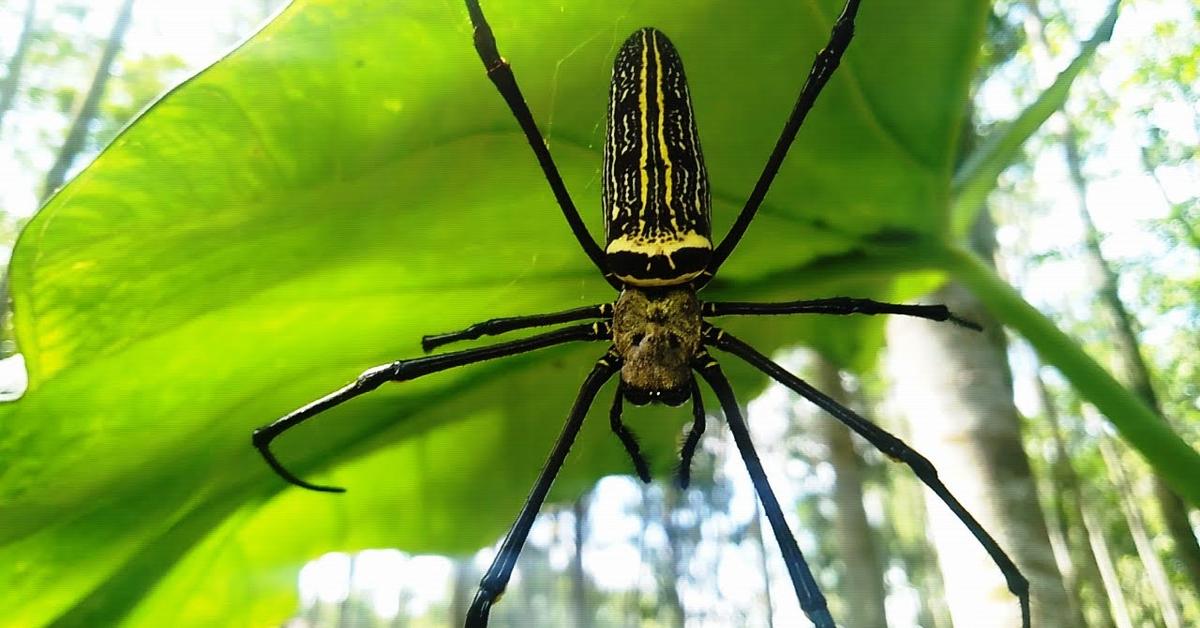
(838, 305)
(497, 326)
(826, 62)
(496, 578)
(501, 74)
(812, 602)
(627, 438)
(693, 438)
(403, 370)
(888, 444)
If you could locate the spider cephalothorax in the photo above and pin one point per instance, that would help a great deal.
(658, 253)
(657, 334)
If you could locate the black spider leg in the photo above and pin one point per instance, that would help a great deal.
(627, 438)
(498, 326)
(838, 305)
(693, 438)
(496, 578)
(403, 370)
(501, 74)
(812, 602)
(889, 445)
(826, 62)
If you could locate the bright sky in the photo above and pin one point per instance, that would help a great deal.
(1120, 198)
(197, 32)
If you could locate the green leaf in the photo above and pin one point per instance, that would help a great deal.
(349, 180)
(980, 171)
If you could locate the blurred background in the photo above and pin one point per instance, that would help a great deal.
(1098, 226)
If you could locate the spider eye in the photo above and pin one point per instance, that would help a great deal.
(638, 338)
(637, 396)
(674, 397)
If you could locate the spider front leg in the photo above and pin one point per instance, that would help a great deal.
(889, 445)
(826, 62)
(501, 75)
(812, 601)
(497, 576)
(403, 370)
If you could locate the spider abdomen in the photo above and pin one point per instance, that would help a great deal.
(655, 191)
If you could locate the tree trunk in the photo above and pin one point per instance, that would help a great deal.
(756, 530)
(1108, 569)
(955, 388)
(1068, 506)
(633, 599)
(906, 523)
(1156, 574)
(581, 612)
(1130, 368)
(345, 611)
(864, 588)
(464, 587)
(671, 575)
(1057, 526)
(77, 134)
(12, 79)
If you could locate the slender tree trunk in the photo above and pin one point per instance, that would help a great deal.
(77, 134)
(1056, 526)
(464, 587)
(1108, 569)
(1156, 574)
(671, 575)
(1068, 506)
(1129, 365)
(581, 612)
(345, 612)
(757, 531)
(907, 514)
(12, 79)
(633, 599)
(856, 541)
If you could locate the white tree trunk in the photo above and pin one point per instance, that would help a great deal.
(955, 389)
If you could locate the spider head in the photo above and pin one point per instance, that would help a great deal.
(657, 332)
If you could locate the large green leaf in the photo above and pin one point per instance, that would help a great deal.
(347, 181)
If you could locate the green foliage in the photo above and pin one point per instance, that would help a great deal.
(347, 181)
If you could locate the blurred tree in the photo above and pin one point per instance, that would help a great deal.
(1128, 361)
(581, 611)
(1081, 570)
(84, 116)
(862, 587)
(12, 75)
(1155, 573)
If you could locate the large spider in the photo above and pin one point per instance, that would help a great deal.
(658, 254)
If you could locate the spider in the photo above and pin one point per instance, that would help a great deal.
(658, 255)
